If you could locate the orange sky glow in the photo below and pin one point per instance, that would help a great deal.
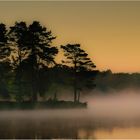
(108, 30)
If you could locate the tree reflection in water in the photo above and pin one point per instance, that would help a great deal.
(62, 126)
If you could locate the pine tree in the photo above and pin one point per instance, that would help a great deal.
(41, 53)
(5, 52)
(19, 38)
(78, 59)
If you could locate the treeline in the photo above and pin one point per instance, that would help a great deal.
(107, 81)
(28, 70)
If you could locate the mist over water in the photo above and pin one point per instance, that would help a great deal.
(119, 105)
(107, 116)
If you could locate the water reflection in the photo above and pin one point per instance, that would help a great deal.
(116, 133)
(65, 124)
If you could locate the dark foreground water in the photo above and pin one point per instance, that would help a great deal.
(65, 124)
(103, 119)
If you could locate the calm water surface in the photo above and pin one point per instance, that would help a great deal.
(100, 120)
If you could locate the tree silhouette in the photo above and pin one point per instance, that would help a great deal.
(19, 38)
(27, 64)
(32, 51)
(41, 53)
(4, 60)
(80, 62)
(4, 47)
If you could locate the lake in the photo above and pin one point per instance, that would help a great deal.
(105, 117)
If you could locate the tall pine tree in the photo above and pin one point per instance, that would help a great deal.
(78, 59)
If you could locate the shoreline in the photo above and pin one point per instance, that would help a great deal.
(59, 104)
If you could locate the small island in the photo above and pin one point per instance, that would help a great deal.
(9, 105)
(30, 75)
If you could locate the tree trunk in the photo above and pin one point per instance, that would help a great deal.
(55, 96)
(34, 76)
(75, 94)
(19, 96)
(75, 88)
(34, 96)
(78, 97)
(34, 87)
(75, 82)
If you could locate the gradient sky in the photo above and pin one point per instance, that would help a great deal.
(108, 31)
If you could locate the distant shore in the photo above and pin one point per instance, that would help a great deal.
(11, 105)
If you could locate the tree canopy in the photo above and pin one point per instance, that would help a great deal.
(81, 64)
(28, 70)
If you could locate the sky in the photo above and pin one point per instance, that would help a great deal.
(109, 31)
